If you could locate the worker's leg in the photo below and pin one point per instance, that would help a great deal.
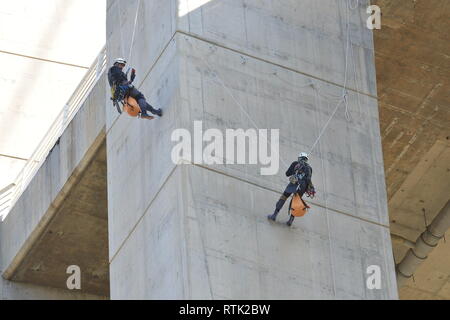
(291, 219)
(280, 204)
(147, 107)
(135, 93)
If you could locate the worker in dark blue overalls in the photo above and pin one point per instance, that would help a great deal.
(123, 87)
(299, 173)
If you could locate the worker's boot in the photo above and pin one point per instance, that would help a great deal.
(158, 112)
(272, 216)
(146, 106)
(145, 115)
(278, 207)
(291, 219)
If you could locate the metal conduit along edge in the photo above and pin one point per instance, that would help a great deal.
(425, 243)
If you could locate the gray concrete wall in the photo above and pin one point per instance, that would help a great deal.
(190, 231)
(298, 35)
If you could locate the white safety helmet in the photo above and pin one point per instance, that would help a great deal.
(120, 60)
(303, 155)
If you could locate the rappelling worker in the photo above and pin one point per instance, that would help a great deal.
(299, 173)
(118, 81)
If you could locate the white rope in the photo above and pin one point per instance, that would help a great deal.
(234, 99)
(344, 89)
(347, 115)
(326, 125)
(134, 31)
(237, 102)
(346, 49)
(342, 98)
(120, 28)
(317, 102)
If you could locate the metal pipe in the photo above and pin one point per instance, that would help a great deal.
(425, 243)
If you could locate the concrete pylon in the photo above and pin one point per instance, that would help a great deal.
(199, 230)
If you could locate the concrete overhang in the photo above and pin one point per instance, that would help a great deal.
(61, 219)
(413, 75)
(76, 234)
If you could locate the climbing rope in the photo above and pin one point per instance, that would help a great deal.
(211, 70)
(326, 124)
(344, 95)
(342, 98)
(134, 31)
(119, 10)
(128, 59)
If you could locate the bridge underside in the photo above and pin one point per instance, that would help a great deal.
(60, 219)
(76, 235)
(413, 72)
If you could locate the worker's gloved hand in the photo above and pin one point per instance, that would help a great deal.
(133, 75)
(293, 179)
(311, 193)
